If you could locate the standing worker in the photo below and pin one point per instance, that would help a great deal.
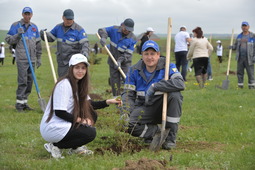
(122, 42)
(32, 36)
(245, 55)
(219, 51)
(2, 53)
(146, 36)
(71, 39)
(182, 39)
(143, 96)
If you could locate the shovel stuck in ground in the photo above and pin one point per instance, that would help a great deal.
(160, 136)
(225, 83)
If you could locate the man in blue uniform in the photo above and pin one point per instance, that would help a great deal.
(13, 37)
(143, 95)
(71, 39)
(122, 42)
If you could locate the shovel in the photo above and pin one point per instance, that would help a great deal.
(160, 137)
(225, 83)
(113, 59)
(41, 101)
(49, 55)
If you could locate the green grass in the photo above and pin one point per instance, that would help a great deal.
(215, 132)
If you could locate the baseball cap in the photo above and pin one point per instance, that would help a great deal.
(218, 41)
(183, 26)
(149, 29)
(68, 14)
(2, 43)
(129, 24)
(245, 23)
(150, 44)
(27, 9)
(78, 58)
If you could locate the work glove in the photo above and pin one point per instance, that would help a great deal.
(150, 92)
(117, 66)
(41, 33)
(20, 31)
(38, 63)
(103, 41)
(230, 47)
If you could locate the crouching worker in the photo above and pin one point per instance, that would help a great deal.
(69, 119)
(143, 96)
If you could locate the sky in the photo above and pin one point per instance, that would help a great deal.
(213, 16)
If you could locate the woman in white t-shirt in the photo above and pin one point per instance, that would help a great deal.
(69, 119)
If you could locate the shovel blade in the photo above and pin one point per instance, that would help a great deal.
(225, 84)
(42, 104)
(159, 139)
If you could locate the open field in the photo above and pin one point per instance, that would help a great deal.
(216, 129)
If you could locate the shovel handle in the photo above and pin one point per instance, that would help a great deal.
(168, 51)
(113, 59)
(230, 51)
(49, 55)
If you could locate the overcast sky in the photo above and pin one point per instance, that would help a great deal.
(214, 16)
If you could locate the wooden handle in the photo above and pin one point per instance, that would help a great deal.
(168, 51)
(113, 59)
(230, 52)
(49, 55)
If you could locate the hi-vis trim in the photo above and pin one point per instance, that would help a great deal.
(140, 93)
(21, 101)
(113, 44)
(52, 36)
(144, 131)
(173, 119)
(129, 87)
(70, 42)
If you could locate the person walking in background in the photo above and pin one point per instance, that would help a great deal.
(32, 36)
(182, 39)
(69, 119)
(143, 96)
(146, 36)
(245, 55)
(122, 42)
(2, 53)
(219, 51)
(71, 39)
(12, 51)
(200, 49)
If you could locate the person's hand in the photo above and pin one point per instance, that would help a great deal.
(20, 31)
(230, 47)
(38, 63)
(116, 100)
(87, 121)
(103, 41)
(117, 66)
(150, 92)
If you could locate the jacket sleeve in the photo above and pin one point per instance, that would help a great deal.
(103, 33)
(98, 104)
(174, 84)
(12, 36)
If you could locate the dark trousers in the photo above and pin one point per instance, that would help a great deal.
(77, 137)
(181, 61)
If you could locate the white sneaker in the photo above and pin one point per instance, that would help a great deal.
(54, 150)
(83, 150)
(190, 69)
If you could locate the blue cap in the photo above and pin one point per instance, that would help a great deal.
(245, 23)
(68, 14)
(150, 44)
(27, 9)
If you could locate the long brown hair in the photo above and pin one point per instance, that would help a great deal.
(80, 89)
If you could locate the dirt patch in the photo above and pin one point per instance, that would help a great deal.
(231, 72)
(145, 164)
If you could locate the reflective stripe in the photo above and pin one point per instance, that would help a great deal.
(52, 36)
(83, 40)
(129, 87)
(253, 84)
(140, 93)
(173, 119)
(59, 39)
(144, 131)
(38, 39)
(113, 44)
(70, 42)
(158, 93)
(130, 51)
(21, 101)
(121, 49)
(240, 84)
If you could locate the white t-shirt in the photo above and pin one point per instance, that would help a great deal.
(181, 41)
(219, 50)
(2, 54)
(56, 129)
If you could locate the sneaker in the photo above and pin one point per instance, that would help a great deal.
(168, 145)
(83, 150)
(26, 107)
(54, 150)
(190, 69)
(210, 78)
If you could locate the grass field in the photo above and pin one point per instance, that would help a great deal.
(216, 129)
